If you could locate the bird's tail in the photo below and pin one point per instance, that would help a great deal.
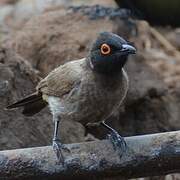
(32, 104)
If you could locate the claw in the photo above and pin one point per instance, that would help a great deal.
(118, 142)
(57, 147)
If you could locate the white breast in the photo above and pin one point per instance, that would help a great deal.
(55, 105)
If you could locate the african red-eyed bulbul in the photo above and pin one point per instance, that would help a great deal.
(86, 90)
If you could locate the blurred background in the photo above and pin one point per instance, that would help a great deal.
(38, 35)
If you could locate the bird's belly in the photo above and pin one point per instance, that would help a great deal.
(89, 106)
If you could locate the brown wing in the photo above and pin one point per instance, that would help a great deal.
(62, 80)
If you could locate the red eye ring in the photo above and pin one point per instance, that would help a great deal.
(105, 49)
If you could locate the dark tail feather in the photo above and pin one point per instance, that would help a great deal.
(33, 108)
(32, 104)
(27, 100)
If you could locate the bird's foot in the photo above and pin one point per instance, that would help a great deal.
(57, 147)
(118, 142)
(116, 139)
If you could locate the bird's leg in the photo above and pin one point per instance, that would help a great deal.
(57, 146)
(116, 139)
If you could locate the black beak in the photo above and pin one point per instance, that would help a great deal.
(128, 49)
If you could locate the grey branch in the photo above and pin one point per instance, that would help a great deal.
(147, 155)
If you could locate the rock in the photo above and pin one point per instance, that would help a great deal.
(18, 79)
(56, 37)
(174, 37)
(3, 2)
(159, 51)
(159, 12)
(15, 13)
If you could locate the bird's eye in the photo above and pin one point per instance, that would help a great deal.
(105, 49)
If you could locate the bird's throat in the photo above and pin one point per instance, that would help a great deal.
(107, 68)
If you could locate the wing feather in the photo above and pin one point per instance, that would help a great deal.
(62, 80)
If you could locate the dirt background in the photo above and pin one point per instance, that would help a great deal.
(45, 35)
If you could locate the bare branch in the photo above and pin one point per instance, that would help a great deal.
(147, 155)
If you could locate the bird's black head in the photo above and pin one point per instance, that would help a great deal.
(109, 53)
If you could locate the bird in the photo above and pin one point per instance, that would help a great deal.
(87, 90)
